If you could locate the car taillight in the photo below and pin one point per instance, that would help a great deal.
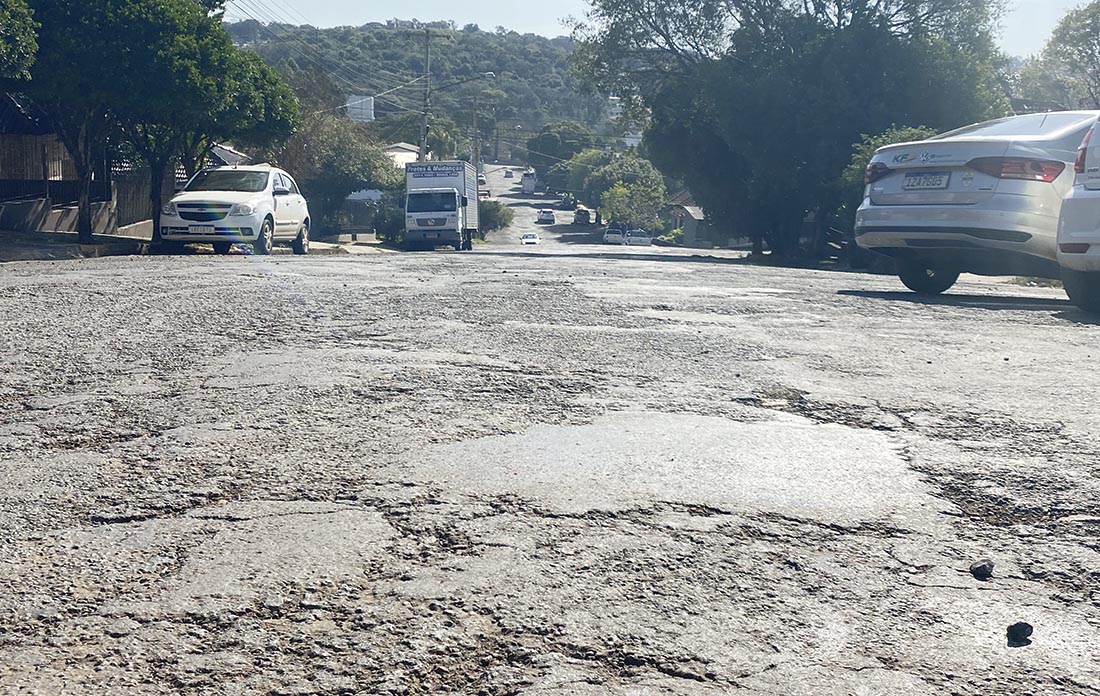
(1082, 152)
(1018, 168)
(875, 171)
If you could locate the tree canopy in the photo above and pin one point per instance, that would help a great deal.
(18, 39)
(755, 104)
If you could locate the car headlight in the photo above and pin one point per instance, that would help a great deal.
(410, 220)
(452, 221)
(242, 209)
(169, 209)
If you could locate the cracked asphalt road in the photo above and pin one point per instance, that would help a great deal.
(570, 469)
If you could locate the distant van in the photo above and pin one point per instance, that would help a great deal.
(582, 216)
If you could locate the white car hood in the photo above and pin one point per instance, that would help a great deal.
(232, 197)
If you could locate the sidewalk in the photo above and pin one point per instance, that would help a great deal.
(55, 246)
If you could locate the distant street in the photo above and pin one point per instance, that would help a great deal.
(573, 468)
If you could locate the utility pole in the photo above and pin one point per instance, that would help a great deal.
(427, 94)
(477, 136)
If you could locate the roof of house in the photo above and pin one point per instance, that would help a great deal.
(402, 146)
(681, 198)
(226, 155)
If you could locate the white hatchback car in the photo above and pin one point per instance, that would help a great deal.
(530, 238)
(982, 199)
(1079, 227)
(545, 217)
(613, 235)
(258, 204)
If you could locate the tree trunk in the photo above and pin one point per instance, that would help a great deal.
(156, 195)
(84, 206)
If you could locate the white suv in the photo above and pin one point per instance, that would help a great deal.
(257, 204)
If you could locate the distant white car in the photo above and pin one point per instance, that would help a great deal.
(637, 238)
(508, 174)
(545, 216)
(530, 238)
(981, 199)
(613, 235)
(222, 206)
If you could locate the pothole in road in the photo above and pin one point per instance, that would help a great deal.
(781, 464)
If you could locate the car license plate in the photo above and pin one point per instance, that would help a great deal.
(432, 235)
(201, 229)
(926, 181)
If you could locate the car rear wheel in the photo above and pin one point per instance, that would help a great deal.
(263, 244)
(1083, 289)
(925, 280)
(222, 248)
(300, 245)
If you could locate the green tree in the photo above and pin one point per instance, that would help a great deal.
(633, 204)
(629, 170)
(332, 157)
(816, 75)
(1071, 58)
(493, 216)
(18, 40)
(175, 55)
(557, 142)
(251, 105)
(74, 79)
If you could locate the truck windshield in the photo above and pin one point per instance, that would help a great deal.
(432, 203)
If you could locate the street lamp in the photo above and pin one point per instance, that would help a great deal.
(428, 106)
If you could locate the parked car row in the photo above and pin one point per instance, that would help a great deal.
(1013, 196)
(627, 237)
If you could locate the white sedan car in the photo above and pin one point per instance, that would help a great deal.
(530, 238)
(545, 217)
(982, 199)
(259, 204)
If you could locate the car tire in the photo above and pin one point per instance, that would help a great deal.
(222, 248)
(264, 243)
(1083, 289)
(924, 280)
(300, 245)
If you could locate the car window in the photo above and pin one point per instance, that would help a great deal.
(290, 184)
(228, 180)
(1031, 124)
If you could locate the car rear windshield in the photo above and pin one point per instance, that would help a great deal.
(432, 203)
(229, 180)
(1031, 124)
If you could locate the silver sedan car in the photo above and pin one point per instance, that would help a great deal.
(982, 199)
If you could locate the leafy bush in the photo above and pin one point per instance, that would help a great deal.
(495, 216)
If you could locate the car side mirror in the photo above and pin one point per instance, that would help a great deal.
(281, 191)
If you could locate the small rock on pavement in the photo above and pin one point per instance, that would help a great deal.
(1018, 634)
(982, 570)
(122, 628)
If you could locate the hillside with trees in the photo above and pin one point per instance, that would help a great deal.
(531, 87)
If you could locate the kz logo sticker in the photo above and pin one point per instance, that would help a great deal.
(900, 159)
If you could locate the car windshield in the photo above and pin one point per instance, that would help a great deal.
(229, 180)
(436, 202)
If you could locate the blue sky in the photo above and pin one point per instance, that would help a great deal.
(1025, 29)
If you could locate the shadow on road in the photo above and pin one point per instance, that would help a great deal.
(990, 302)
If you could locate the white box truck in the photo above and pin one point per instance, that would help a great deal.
(528, 182)
(441, 207)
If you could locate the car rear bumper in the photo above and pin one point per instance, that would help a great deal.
(930, 228)
(1079, 231)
